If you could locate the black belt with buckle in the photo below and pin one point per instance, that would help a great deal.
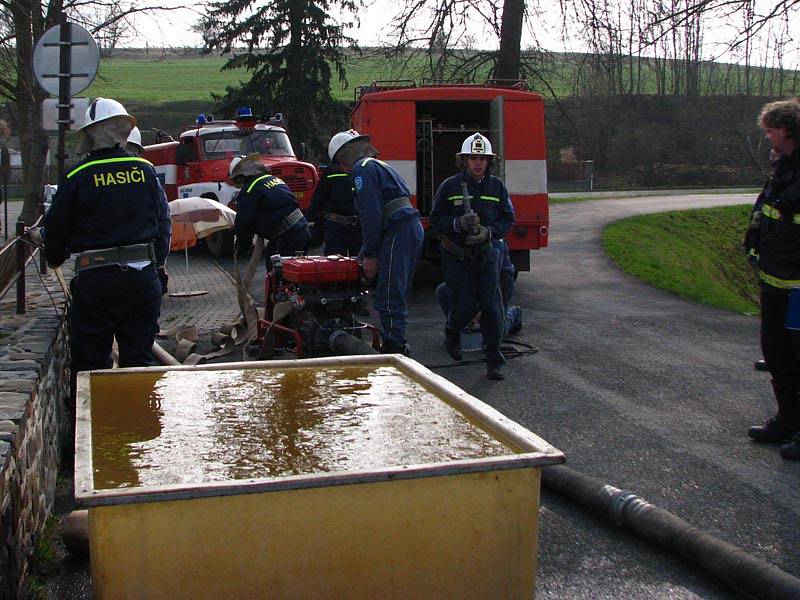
(119, 255)
(341, 219)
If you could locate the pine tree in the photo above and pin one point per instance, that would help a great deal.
(290, 48)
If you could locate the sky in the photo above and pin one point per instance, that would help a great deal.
(174, 29)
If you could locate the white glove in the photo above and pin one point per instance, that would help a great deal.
(35, 236)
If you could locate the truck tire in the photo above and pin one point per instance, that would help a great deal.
(219, 243)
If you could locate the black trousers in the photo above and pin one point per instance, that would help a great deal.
(110, 302)
(781, 346)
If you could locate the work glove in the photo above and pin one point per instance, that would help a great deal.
(466, 222)
(370, 266)
(163, 277)
(755, 219)
(479, 237)
(35, 235)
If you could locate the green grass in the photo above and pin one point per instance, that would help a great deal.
(605, 194)
(194, 78)
(696, 254)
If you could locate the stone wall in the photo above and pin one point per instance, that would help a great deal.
(34, 424)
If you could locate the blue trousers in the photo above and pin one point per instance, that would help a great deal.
(474, 286)
(512, 322)
(400, 251)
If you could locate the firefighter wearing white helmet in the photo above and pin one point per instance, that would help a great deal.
(391, 229)
(112, 214)
(473, 213)
(267, 207)
(134, 144)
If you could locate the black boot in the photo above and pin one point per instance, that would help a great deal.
(791, 450)
(395, 348)
(452, 343)
(494, 371)
(785, 424)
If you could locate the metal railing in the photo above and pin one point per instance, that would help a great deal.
(14, 258)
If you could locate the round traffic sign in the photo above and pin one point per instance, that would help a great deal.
(84, 59)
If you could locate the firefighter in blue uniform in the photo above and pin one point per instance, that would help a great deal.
(333, 209)
(471, 255)
(267, 207)
(392, 231)
(111, 211)
(777, 245)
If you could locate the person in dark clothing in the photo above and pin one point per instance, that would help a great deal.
(778, 250)
(266, 206)
(333, 210)
(470, 248)
(392, 231)
(111, 211)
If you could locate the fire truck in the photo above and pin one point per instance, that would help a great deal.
(419, 129)
(197, 164)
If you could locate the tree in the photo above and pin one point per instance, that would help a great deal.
(289, 47)
(23, 22)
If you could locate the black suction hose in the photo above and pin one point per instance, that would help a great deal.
(733, 566)
(342, 343)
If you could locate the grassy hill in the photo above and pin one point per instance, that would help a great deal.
(696, 254)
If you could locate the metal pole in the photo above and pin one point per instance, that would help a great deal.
(64, 70)
(20, 250)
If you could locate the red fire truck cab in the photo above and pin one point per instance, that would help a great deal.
(419, 130)
(197, 164)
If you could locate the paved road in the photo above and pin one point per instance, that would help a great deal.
(640, 389)
(645, 391)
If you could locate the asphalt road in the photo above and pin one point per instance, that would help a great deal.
(644, 391)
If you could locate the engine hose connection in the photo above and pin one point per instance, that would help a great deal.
(732, 565)
(342, 343)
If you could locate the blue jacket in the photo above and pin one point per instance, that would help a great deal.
(261, 205)
(376, 184)
(489, 199)
(109, 199)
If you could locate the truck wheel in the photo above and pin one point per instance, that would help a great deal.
(220, 243)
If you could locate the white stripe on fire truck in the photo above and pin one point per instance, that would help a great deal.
(526, 177)
(408, 171)
(169, 172)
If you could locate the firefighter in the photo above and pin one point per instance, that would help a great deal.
(134, 145)
(333, 209)
(391, 228)
(111, 211)
(267, 207)
(778, 247)
(471, 248)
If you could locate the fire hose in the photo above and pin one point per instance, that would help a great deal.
(732, 565)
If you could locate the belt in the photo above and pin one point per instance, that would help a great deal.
(393, 206)
(340, 219)
(286, 223)
(464, 252)
(119, 255)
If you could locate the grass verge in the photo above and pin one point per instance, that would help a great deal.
(696, 254)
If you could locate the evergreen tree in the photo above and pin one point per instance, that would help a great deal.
(289, 47)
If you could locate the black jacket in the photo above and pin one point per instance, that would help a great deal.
(109, 199)
(779, 233)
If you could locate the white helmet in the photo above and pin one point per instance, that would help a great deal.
(342, 138)
(135, 137)
(476, 144)
(234, 161)
(103, 109)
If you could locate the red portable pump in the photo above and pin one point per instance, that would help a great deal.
(312, 303)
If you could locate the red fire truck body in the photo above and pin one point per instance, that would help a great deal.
(419, 130)
(197, 164)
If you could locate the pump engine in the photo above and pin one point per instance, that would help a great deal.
(312, 303)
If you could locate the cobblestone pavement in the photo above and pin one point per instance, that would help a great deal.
(207, 312)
